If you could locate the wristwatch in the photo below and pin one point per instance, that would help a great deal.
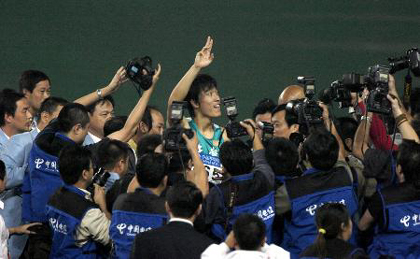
(99, 93)
(366, 118)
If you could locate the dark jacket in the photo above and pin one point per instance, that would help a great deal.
(175, 240)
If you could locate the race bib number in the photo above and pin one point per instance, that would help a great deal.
(213, 168)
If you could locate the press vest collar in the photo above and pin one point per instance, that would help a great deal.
(63, 137)
(79, 191)
(311, 171)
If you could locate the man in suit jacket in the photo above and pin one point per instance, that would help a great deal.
(177, 239)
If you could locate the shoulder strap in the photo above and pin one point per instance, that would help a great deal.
(232, 198)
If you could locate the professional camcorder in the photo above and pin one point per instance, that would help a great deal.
(307, 110)
(233, 128)
(376, 81)
(140, 71)
(340, 90)
(172, 137)
(411, 61)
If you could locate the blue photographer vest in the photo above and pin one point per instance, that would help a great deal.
(209, 151)
(125, 225)
(262, 207)
(44, 179)
(65, 211)
(401, 235)
(306, 194)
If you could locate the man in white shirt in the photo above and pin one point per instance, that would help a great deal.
(248, 240)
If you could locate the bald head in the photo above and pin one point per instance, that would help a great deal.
(292, 92)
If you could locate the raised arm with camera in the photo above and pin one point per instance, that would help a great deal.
(127, 132)
(329, 124)
(118, 79)
(401, 119)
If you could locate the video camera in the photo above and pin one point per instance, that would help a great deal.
(172, 137)
(376, 81)
(233, 128)
(340, 90)
(411, 61)
(140, 71)
(306, 110)
(100, 178)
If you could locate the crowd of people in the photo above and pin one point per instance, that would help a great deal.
(78, 182)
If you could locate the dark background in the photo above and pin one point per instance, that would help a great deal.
(260, 46)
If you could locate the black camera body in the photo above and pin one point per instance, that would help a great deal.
(140, 71)
(340, 90)
(411, 61)
(337, 92)
(377, 83)
(233, 128)
(172, 137)
(100, 178)
(307, 110)
(267, 131)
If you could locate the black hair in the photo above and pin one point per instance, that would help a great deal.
(415, 101)
(148, 144)
(109, 152)
(236, 157)
(263, 106)
(282, 155)
(72, 160)
(147, 118)
(114, 124)
(50, 104)
(72, 114)
(30, 78)
(8, 103)
(91, 108)
(179, 160)
(322, 149)
(409, 160)
(346, 128)
(249, 231)
(2, 170)
(329, 218)
(202, 83)
(183, 199)
(151, 169)
(289, 117)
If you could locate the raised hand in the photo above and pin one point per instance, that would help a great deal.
(157, 74)
(204, 57)
(119, 78)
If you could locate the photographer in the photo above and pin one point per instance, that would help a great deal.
(394, 210)
(321, 183)
(202, 95)
(262, 114)
(142, 210)
(292, 92)
(79, 225)
(246, 190)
